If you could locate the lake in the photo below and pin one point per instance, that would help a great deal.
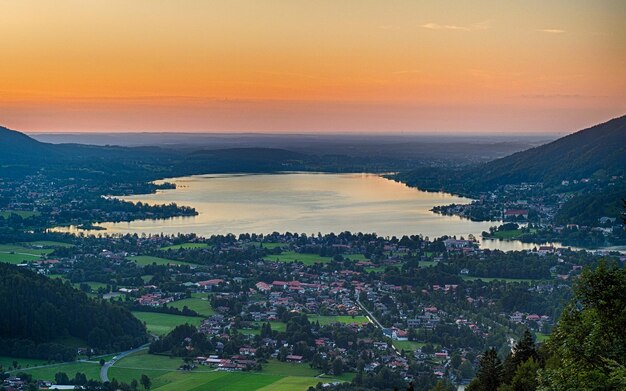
(304, 203)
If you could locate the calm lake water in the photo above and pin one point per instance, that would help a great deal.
(305, 203)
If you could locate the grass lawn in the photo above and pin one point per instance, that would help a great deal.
(161, 324)
(324, 320)
(13, 253)
(164, 375)
(185, 246)
(356, 257)
(276, 326)
(427, 263)
(198, 302)
(379, 269)
(291, 383)
(275, 367)
(407, 345)
(292, 256)
(541, 337)
(47, 244)
(93, 284)
(145, 360)
(7, 362)
(489, 279)
(144, 260)
(512, 234)
(22, 213)
(270, 245)
(91, 370)
(146, 278)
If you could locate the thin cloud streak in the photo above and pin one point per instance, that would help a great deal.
(472, 27)
(552, 31)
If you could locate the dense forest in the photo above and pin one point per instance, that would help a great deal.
(599, 150)
(40, 313)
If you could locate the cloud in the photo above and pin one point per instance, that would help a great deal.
(472, 27)
(552, 31)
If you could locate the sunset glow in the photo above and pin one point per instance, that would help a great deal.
(306, 66)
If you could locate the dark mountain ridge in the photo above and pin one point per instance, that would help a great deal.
(598, 150)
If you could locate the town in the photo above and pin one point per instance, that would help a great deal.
(345, 307)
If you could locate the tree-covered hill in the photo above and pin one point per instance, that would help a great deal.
(579, 155)
(599, 150)
(38, 312)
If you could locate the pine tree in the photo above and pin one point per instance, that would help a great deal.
(489, 376)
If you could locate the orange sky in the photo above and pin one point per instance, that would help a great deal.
(319, 65)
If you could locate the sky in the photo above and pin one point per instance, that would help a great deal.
(311, 66)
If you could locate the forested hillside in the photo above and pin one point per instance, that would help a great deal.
(39, 313)
(599, 150)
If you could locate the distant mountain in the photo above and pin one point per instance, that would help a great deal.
(39, 313)
(16, 147)
(599, 150)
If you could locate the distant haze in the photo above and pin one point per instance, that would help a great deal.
(311, 66)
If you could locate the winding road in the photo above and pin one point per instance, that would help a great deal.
(104, 371)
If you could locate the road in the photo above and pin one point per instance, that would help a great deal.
(373, 319)
(104, 371)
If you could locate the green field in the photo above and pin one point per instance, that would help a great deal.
(144, 260)
(276, 326)
(324, 320)
(163, 372)
(292, 256)
(13, 253)
(356, 257)
(269, 245)
(22, 213)
(93, 284)
(407, 345)
(293, 383)
(47, 244)
(198, 302)
(541, 337)
(427, 263)
(90, 369)
(161, 324)
(7, 362)
(185, 246)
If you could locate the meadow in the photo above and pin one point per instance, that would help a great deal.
(144, 260)
(324, 320)
(269, 245)
(308, 259)
(22, 213)
(408, 345)
(90, 369)
(185, 246)
(161, 324)
(276, 326)
(22, 363)
(198, 302)
(292, 256)
(15, 253)
(163, 372)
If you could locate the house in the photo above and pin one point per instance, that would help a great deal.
(295, 359)
(209, 284)
(515, 213)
